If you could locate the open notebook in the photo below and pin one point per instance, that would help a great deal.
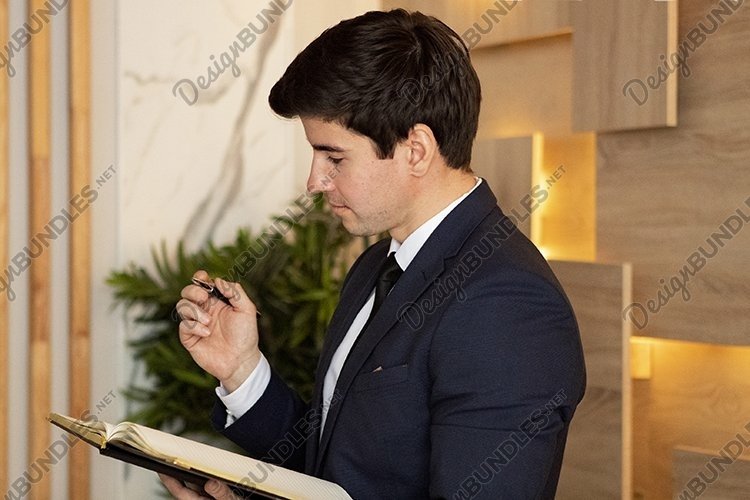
(195, 462)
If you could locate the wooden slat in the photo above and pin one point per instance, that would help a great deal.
(40, 195)
(733, 482)
(4, 255)
(507, 164)
(80, 240)
(614, 43)
(597, 462)
(662, 193)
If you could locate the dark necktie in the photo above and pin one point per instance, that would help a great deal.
(387, 276)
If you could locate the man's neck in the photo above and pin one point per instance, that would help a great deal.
(433, 198)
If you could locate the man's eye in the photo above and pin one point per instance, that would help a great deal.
(335, 161)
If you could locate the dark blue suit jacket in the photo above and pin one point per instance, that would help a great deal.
(462, 386)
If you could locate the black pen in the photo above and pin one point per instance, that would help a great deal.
(213, 291)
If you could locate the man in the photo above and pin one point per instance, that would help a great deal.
(463, 381)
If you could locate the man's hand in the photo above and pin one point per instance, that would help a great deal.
(214, 489)
(222, 339)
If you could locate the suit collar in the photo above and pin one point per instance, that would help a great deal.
(429, 262)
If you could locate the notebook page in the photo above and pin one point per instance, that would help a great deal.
(94, 432)
(228, 465)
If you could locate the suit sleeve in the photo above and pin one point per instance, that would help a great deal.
(275, 429)
(507, 371)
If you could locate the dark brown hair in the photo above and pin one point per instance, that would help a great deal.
(381, 73)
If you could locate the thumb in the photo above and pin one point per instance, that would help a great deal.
(219, 490)
(236, 295)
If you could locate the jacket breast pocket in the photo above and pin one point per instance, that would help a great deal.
(379, 379)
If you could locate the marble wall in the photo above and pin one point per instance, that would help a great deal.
(180, 108)
(204, 159)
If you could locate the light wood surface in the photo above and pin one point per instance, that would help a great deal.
(564, 226)
(496, 23)
(507, 166)
(524, 20)
(603, 31)
(526, 88)
(732, 483)
(4, 259)
(40, 212)
(613, 43)
(597, 462)
(457, 15)
(662, 193)
(696, 396)
(80, 239)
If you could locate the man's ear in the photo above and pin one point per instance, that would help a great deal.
(422, 149)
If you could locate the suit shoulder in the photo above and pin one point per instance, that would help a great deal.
(506, 253)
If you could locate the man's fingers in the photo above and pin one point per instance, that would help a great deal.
(236, 295)
(178, 490)
(189, 329)
(201, 275)
(194, 293)
(191, 311)
(219, 490)
(193, 320)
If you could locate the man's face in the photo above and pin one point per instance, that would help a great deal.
(369, 195)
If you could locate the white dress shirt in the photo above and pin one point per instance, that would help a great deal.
(247, 394)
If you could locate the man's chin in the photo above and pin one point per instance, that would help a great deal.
(355, 229)
(352, 224)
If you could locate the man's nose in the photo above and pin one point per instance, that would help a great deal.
(321, 177)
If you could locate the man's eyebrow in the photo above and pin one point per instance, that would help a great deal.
(328, 148)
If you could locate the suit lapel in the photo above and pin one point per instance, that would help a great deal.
(353, 298)
(427, 266)
(409, 286)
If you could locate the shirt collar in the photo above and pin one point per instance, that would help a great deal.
(406, 251)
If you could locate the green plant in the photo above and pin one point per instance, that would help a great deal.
(295, 285)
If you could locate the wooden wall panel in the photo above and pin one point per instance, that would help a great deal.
(733, 482)
(40, 212)
(526, 88)
(497, 23)
(4, 258)
(80, 239)
(525, 20)
(457, 15)
(564, 226)
(597, 461)
(507, 166)
(696, 396)
(615, 42)
(662, 193)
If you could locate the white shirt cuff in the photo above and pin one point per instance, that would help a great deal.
(246, 395)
